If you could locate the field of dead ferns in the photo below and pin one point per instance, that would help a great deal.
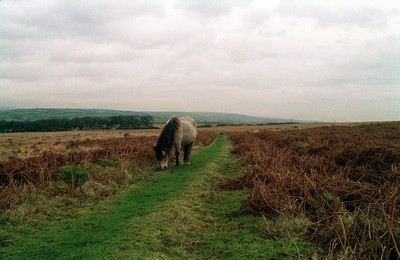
(341, 182)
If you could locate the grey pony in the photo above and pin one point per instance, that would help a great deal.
(177, 132)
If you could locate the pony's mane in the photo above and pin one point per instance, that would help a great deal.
(167, 136)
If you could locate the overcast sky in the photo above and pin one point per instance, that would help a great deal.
(312, 60)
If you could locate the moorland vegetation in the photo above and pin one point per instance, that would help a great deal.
(341, 183)
(337, 187)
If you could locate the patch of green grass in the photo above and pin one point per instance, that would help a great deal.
(240, 235)
(237, 234)
(107, 163)
(73, 174)
(34, 205)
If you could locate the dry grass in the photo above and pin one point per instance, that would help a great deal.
(133, 150)
(345, 180)
(24, 145)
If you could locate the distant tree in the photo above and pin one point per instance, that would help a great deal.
(98, 122)
(116, 121)
(77, 123)
(16, 126)
(53, 124)
(3, 124)
(87, 122)
(133, 121)
(66, 124)
(147, 121)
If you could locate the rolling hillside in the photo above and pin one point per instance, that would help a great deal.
(46, 113)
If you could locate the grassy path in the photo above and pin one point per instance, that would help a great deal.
(88, 235)
(173, 214)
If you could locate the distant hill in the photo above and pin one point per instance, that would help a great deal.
(46, 113)
(7, 108)
(217, 117)
(33, 114)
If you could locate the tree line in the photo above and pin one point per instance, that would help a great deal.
(80, 123)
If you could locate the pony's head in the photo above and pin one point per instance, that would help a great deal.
(162, 157)
(166, 141)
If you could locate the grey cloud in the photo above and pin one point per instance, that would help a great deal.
(262, 58)
(344, 15)
(210, 7)
(67, 18)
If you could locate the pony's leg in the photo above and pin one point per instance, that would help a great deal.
(185, 154)
(189, 153)
(177, 148)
